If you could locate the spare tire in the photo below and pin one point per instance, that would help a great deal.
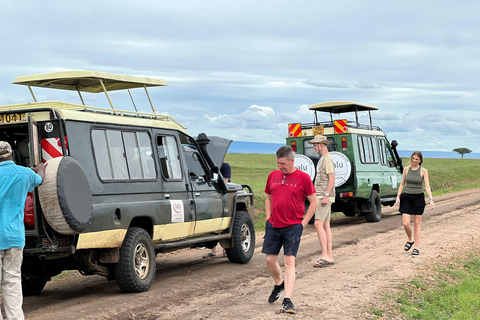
(65, 196)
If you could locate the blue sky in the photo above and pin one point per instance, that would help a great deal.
(245, 69)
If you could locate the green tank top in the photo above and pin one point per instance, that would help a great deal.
(414, 181)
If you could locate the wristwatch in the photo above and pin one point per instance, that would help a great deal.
(327, 194)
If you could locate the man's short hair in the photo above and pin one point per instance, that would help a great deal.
(285, 152)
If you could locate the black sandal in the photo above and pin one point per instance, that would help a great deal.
(415, 252)
(408, 245)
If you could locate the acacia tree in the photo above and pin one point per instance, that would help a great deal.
(462, 151)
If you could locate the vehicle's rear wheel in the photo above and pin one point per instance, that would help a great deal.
(376, 214)
(135, 271)
(243, 236)
(32, 286)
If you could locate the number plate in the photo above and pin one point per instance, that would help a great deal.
(12, 118)
(317, 130)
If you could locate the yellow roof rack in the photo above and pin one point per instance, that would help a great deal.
(341, 107)
(88, 81)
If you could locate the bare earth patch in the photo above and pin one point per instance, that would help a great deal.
(369, 262)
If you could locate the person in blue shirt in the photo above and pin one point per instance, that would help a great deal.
(15, 182)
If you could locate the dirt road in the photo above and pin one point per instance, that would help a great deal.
(369, 260)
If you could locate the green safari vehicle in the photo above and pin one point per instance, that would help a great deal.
(368, 169)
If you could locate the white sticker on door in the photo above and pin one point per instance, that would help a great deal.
(177, 211)
(394, 182)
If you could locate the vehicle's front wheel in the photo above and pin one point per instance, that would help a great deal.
(32, 286)
(135, 271)
(376, 214)
(243, 236)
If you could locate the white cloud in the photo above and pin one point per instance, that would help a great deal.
(245, 70)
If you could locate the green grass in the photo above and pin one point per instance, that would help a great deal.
(450, 291)
(63, 274)
(253, 169)
(449, 175)
(446, 175)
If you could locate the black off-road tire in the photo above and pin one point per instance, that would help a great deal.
(32, 286)
(243, 236)
(135, 272)
(376, 205)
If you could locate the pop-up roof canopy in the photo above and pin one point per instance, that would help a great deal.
(88, 81)
(342, 107)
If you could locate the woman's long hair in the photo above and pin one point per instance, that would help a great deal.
(418, 154)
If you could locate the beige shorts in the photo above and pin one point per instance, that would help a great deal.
(323, 212)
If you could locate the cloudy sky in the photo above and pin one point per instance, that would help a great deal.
(245, 69)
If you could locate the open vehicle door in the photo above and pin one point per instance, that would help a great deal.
(33, 149)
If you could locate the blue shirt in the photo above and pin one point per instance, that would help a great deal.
(15, 183)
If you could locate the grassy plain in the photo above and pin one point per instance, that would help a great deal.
(446, 175)
(449, 290)
(452, 290)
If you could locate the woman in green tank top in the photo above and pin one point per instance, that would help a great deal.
(412, 202)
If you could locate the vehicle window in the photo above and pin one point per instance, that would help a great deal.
(169, 157)
(309, 151)
(330, 147)
(368, 149)
(383, 152)
(138, 152)
(102, 156)
(186, 140)
(390, 158)
(374, 146)
(146, 155)
(118, 161)
(133, 155)
(195, 165)
(123, 155)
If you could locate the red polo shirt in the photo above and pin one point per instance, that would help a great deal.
(287, 194)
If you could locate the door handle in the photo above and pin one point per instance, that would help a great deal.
(197, 194)
(167, 195)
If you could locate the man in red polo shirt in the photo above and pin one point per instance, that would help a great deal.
(286, 191)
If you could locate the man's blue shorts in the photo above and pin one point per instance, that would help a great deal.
(288, 237)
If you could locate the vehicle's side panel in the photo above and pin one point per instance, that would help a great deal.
(119, 193)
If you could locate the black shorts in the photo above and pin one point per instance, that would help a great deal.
(288, 237)
(413, 204)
